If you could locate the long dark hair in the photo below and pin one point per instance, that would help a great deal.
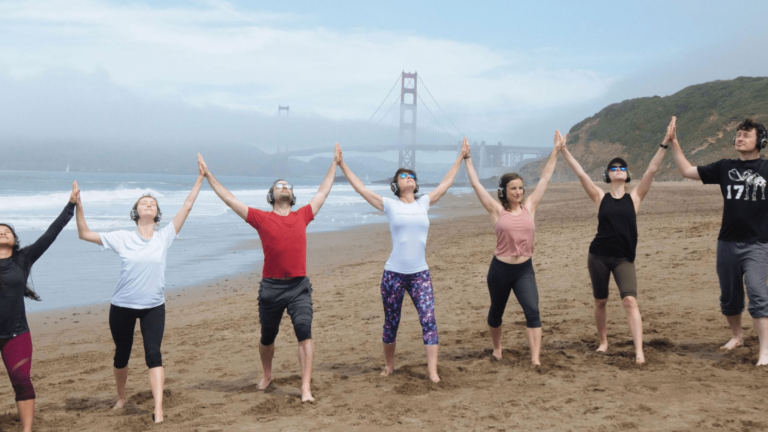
(20, 258)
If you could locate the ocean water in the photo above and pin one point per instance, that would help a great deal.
(211, 244)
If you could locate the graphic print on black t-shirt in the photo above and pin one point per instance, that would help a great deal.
(745, 207)
(750, 179)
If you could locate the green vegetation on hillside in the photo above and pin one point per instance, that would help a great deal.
(707, 118)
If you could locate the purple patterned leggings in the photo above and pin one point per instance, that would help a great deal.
(419, 287)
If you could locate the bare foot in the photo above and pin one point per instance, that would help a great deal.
(306, 395)
(535, 362)
(497, 354)
(387, 371)
(434, 378)
(158, 418)
(120, 404)
(640, 359)
(733, 343)
(762, 360)
(603, 347)
(265, 382)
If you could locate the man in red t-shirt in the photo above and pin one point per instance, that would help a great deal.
(284, 283)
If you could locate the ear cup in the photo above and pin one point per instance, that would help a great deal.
(606, 178)
(395, 188)
(134, 214)
(293, 199)
(417, 188)
(501, 191)
(159, 215)
(629, 179)
(271, 198)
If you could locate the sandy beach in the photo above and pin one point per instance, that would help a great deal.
(210, 349)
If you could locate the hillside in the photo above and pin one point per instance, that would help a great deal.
(707, 117)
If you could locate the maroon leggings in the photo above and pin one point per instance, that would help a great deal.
(17, 356)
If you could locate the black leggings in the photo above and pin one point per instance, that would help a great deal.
(503, 278)
(122, 322)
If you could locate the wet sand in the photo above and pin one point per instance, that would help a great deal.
(211, 361)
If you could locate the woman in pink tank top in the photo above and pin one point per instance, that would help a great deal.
(511, 267)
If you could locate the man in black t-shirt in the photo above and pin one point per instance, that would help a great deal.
(742, 246)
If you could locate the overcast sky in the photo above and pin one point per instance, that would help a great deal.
(215, 71)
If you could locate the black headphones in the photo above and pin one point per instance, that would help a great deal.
(271, 195)
(396, 189)
(135, 211)
(762, 139)
(13, 231)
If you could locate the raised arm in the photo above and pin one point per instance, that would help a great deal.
(82, 228)
(686, 169)
(181, 216)
(532, 203)
(236, 205)
(641, 190)
(442, 188)
(38, 248)
(325, 187)
(595, 193)
(373, 198)
(491, 205)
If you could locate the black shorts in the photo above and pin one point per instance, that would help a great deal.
(600, 269)
(275, 296)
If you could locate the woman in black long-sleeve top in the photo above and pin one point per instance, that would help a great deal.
(15, 341)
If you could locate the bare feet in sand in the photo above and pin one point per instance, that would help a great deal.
(265, 382)
(157, 417)
(120, 404)
(497, 354)
(603, 347)
(435, 378)
(306, 395)
(387, 371)
(640, 359)
(733, 343)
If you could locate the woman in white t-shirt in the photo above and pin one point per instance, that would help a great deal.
(139, 290)
(406, 269)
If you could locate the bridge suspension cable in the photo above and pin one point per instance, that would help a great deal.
(384, 101)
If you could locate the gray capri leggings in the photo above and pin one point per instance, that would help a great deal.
(275, 296)
(740, 264)
(504, 278)
(600, 269)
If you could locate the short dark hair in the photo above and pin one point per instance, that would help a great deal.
(503, 182)
(407, 171)
(748, 124)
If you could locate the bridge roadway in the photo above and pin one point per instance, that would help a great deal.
(495, 148)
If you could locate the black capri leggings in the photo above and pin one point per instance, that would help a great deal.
(503, 278)
(122, 322)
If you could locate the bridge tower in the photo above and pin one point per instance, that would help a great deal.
(286, 108)
(408, 96)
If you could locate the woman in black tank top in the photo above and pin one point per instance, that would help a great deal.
(613, 249)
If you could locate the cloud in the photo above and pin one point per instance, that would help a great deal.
(213, 54)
